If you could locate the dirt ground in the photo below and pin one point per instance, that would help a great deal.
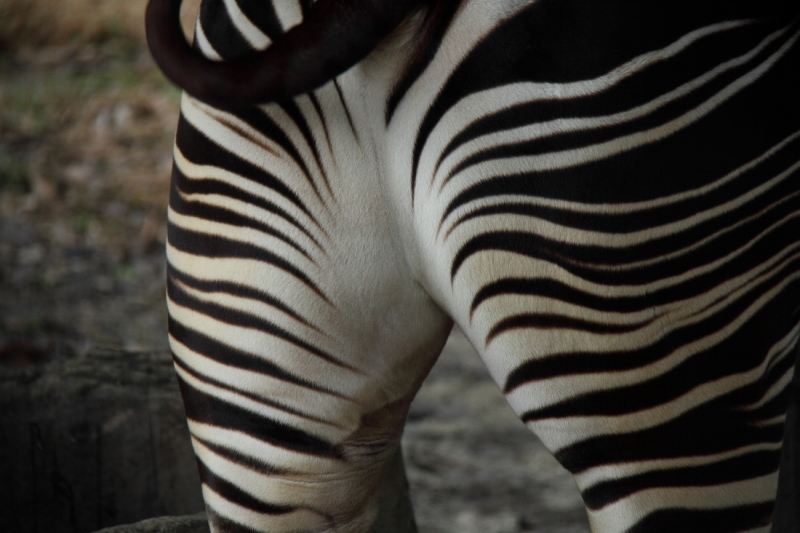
(86, 125)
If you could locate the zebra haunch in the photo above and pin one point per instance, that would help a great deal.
(604, 196)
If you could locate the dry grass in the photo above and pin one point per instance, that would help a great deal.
(86, 122)
(56, 22)
(37, 22)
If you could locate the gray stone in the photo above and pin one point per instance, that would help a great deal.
(167, 524)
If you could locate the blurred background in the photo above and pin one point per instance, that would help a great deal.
(86, 126)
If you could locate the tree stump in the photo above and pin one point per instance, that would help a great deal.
(168, 524)
(93, 442)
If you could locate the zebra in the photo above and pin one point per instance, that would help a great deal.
(604, 196)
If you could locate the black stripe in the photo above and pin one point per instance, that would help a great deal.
(228, 355)
(259, 120)
(235, 495)
(762, 329)
(707, 434)
(638, 88)
(318, 109)
(201, 150)
(432, 30)
(596, 38)
(692, 373)
(728, 520)
(227, 216)
(216, 246)
(651, 298)
(570, 140)
(236, 289)
(213, 186)
(552, 321)
(305, 8)
(262, 15)
(740, 129)
(628, 222)
(207, 409)
(580, 259)
(291, 108)
(226, 525)
(346, 110)
(221, 32)
(748, 466)
(714, 427)
(250, 396)
(242, 319)
(548, 288)
(251, 463)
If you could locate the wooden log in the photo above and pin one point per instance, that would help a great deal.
(168, 524)
(93, 442)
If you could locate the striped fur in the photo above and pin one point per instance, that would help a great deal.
(605, 196)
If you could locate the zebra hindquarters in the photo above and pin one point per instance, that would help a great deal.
(620, 239)
(299, 340)
(655, 368)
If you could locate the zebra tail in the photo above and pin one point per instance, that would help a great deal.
(336, 35)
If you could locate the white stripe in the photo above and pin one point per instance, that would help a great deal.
(319, 430)
(622, 515)
(247, 29)
(542, 394)
(319, 404)
(602, 473)
(288, 12)
(281, 352)
(204, 44)
(259, 450)
(579, 156)
(299, 520)
(492, 101)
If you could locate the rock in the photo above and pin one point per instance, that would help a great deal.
(168, 524)
(93, 442)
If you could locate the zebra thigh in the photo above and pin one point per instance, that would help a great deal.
(620, 239)
(290, 320)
